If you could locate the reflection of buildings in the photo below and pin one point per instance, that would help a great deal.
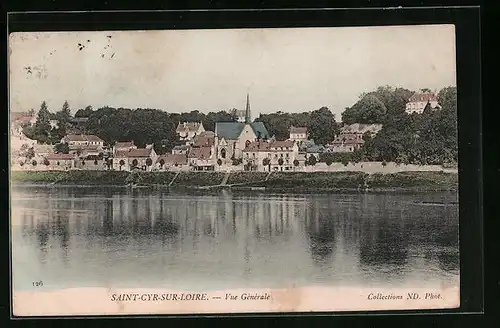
(238, 236)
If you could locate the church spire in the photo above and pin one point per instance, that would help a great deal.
(247, 111)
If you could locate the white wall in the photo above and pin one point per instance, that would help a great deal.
(374, 167)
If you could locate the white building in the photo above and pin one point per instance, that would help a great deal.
(417, 102)
(267, 156)
(298, 134)
(188, 130)
(78, 143)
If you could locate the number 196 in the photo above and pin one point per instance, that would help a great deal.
(37, 283)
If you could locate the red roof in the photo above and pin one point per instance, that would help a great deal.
(180, 159)
(139, 152)
(298, 130)
(280, 144)
(426, 96)
(259, 145)
(60, 156)
(200, 153)
(269, 146)
(203, 141)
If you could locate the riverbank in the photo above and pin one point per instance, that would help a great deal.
(276, 181)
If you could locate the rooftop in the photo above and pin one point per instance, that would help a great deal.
(423, 97)
(139, 152)
(361, 128)
(200, 153)
(179, 159)
(298, 130)
(232, 130)
(59, 156)
(188, 127)
(82, 137)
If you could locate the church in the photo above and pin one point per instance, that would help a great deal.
(232, 137)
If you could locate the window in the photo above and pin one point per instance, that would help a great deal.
(281, 155)
(247, 143)
(253, 155)
(223, 153)
(287, 155)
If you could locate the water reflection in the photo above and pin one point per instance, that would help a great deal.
(101, 234)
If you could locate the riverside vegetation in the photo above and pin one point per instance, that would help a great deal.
(276, 181)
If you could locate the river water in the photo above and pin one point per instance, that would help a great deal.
(113, 237)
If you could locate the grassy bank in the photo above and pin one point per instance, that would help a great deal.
(298, 181)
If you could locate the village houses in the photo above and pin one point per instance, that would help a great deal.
(84, 145)
(418, 102)
(123, 146)
(271, 156)
(351, 137)
(61, 161)
(188, 130)
(298, 134)
(171, 162)
(135, 159)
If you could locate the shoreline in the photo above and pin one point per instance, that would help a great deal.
(244, 181)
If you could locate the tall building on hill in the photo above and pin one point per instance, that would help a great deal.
(418, 102)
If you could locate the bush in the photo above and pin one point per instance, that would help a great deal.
(46, 162)
(34, 163)
(296, 162)
(384, 163)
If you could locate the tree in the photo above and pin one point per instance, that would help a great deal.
(64, 115)
(34, 163)
(42, 125)
(311, 160)
(296, 162)
(46, 162)
(84, 112)
(96, 162)
(329, 161)
(162, 162)
(61, 148)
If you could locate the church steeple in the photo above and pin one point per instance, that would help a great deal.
(247, 110)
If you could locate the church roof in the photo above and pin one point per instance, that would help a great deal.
(232, 130)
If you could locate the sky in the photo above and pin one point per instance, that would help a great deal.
(288, 69)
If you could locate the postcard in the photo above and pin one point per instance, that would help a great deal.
(233, 171)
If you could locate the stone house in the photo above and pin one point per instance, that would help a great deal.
(123, 146)
(298, 134)
(180, 150)
(135, 159)
(61, 161)
(188, 130)
(418, 102)
(351, 137)
(77, 143)
(170, 162)
(201, 158)
(271, 156)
